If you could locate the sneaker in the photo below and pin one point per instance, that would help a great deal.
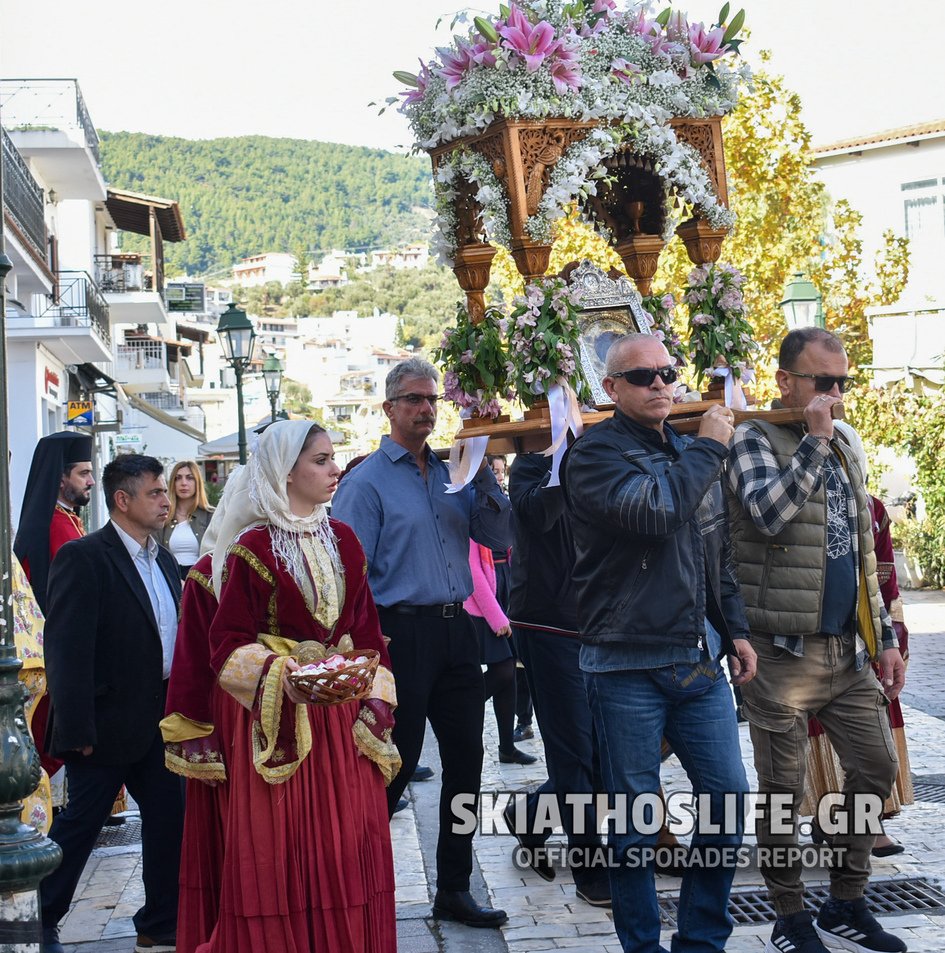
(849, 925)
(794, 933)
(148, 944)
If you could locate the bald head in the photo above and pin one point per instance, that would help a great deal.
(635, 350)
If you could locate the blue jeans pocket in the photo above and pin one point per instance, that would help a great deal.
(687, 680)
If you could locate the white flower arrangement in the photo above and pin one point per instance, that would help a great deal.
(583, 60)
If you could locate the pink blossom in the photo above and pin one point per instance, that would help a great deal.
(706, 46)
(625, 71)
(456, 63)
(668, 302)
(412, 96)
(533, 43)
(484, 54)
(677, 28)
(467, 357)
(700, 319)
(565, 71)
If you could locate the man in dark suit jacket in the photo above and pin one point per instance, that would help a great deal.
(110, 629)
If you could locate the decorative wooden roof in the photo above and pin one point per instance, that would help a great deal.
(901, 135)
(131, 213)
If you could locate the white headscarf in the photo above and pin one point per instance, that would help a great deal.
(258, 495)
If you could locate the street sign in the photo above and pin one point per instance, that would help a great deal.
(80, 413)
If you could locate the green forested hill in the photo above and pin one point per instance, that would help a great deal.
(251, 194)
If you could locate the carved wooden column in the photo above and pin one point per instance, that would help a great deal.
(471, 266)
(641, 256)
(703, 242)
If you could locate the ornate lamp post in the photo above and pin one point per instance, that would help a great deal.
(26, 856)
(272, 375)
(237, 338)
(802, 304)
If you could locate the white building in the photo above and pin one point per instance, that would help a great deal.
(415, 255)
(896, 179)
(85, 322)
(261, 269)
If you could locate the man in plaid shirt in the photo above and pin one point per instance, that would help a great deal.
(803, 545)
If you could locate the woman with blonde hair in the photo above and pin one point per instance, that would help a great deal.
(189, 515)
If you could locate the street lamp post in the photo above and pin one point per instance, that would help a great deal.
(272, 375)
(26, 856)
(802, 304)
(237, 338)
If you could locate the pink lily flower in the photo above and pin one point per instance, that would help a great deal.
(678, 27)
(412, 96)
(706, 46)
(483, 54)
(565, 71)
(456, 63)
(533, 43)
(625, 71)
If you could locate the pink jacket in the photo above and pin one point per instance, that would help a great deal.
(483, 602)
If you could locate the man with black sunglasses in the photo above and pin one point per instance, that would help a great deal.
(658, 605)
(802, 534)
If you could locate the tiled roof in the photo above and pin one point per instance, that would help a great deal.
(922, 130)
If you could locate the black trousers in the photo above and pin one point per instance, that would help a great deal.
(567, 728)
(436, 667)
(92, 791)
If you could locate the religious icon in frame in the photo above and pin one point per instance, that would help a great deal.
(610, 309)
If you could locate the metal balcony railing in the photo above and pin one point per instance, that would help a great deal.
(145, 356)
(172, 404)
(23, 196)
(47, 104)
(80, 304)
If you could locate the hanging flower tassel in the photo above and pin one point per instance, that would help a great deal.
(465, 457)
(565, 415)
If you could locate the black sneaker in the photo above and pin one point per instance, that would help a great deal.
(848, 925)
(794, 933)
(595, 892)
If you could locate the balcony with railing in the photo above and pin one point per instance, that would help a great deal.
(134, 286)
(23, 200)
(142, 367)
(73, 324)
(50, 125)
(173, 405)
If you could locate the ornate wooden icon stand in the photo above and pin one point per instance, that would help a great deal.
(630, 205)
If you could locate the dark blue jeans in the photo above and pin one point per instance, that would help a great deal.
(632, 711)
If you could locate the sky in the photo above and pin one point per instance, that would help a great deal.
(308, 70)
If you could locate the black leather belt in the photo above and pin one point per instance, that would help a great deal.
(450, 611)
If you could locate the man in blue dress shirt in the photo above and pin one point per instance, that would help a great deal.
(416, 537)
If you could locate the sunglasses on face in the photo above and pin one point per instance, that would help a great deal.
(644, 376)
(824, 382)
(415, 400)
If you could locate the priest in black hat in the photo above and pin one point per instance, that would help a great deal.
(59, 484)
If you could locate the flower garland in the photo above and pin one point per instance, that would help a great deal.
(661, 311)
(544, 341)
(474, 359)
(585, 61)
(719, 333)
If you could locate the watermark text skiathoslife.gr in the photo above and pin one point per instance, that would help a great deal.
(645, 814)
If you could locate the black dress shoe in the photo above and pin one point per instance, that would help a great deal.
(536, 857)
(888, 850)
(51, 942)
(401, 804)
(459, 905)
(515, 757)
(421, 773)
(523, 733)
(595, 892)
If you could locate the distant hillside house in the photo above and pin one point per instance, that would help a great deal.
(261, 269)
(416, 256)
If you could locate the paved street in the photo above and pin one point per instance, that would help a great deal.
(548, 916)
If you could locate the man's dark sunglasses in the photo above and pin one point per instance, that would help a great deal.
(824, 382)
(415, 400)
(644, 376)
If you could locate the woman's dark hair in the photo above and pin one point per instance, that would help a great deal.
(125, 472)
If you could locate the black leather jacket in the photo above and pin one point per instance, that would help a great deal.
(651, 535)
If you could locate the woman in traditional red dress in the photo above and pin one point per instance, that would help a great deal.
(306, 860)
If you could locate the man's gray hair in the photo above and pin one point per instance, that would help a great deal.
(412, 367)
(615, 351)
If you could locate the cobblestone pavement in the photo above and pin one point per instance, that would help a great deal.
(545, 917)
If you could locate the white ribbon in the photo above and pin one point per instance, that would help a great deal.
(465, 457)
(565, 415)
(734, 395)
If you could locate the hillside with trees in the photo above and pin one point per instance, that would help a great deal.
(250, 194)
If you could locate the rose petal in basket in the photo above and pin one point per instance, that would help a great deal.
(351, 683)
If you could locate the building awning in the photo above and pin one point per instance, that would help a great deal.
(131, 212)
(164, 418)
(192, 333)
(94, 381)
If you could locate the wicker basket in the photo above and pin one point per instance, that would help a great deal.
(343, 685)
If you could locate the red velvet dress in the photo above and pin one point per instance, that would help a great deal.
(307, 862)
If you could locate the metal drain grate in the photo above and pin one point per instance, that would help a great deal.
(124, 835)
(906, 895)
(929, 791)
